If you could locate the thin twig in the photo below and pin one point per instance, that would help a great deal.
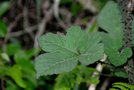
(26, 21)
(42, 26)
(105, 84)
(22, 32)
(56, 8)
(99, 68)
(11, 26)
(67, 18)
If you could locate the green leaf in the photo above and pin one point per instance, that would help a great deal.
(20, 55)
(108, 46)
(77, 76)
(26, 66)
(109, 19)
(76, 8)
(111, 49)
(5, 57)
(90, 48)
(120, 87)
(53, 43)
(3, 29)
(93, 28)
(53, 63)
(117, 58)
(93, 80)
(87, 41)
(10, 85)
(113, 89)
(65, 80)
(3, 70)
(12, 48)
(65, 51)
(24, 55)
(93, 54)
(32, 52)
(123, 86)
(83, 73)
(121, 74)
(73, 37)
(28, 73)
(16, 74)
(4, 7)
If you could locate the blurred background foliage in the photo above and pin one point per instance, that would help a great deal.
(22, 22)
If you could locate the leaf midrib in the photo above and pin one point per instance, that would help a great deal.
(63, 47)
(62, 61)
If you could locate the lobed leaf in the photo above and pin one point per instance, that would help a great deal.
(110, 20)
(64, 52)
(52, 42)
